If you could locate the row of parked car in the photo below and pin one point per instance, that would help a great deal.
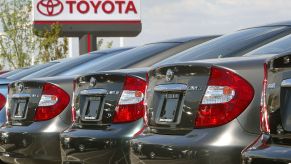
(200, 99)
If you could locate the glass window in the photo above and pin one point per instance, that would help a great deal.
(5, 75)
(31, 70)
(230, 45)
(73, 62)
(277, 47)
(121, 60)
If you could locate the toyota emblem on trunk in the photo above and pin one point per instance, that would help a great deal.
(20, 87)
(169, 75)
(92, 82)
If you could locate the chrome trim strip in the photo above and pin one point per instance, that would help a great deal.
(21, 95)
(93, 92)
(170, 87)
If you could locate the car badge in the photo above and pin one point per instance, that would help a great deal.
(169, 75)
(20, 87)
(286, 60)
(92, 82)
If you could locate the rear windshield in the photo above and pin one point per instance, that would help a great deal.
(5, 75)
(74, 62)
(230, 45)
(122, 60)
(29, 71)
(277, 47)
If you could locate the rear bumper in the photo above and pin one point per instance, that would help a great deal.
(109, 146)
(29, 148)
(264, 152)
(200, 146)
(36, 143)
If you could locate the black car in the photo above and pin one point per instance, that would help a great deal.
(204, 111)
(110, 105)
(273, 145)
(39, 109)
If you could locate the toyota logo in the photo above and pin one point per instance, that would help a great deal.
(92, 82)
(20, 87)
(169, 75)
(50, 7)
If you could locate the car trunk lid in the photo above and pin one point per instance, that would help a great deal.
(39, 100)
(96, 97)
(23, 100)
(174, 96)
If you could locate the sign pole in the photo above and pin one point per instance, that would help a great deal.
(121, 41)
(87, 43)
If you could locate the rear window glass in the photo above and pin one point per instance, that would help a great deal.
(31, 70)
(121, 60)
(5, 75)
(230, 45)
(277, 47)
(73, 62)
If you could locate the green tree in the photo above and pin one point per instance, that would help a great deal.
(50, 46)
(18, 43)
(100, 44)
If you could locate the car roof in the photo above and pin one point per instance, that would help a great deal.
(110, 50)
(186, 39)
(105, 51)
(189, 38)
(283, 23)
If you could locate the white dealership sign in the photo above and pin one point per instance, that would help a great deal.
(91, 13)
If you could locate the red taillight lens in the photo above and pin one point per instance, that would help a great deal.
(131, 105)
(74, 117)
(226, 97)
(264, 116)
(2, 101)
(53, 101)
(74, 114)
(7, 111)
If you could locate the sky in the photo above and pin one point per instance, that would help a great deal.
(164, 19)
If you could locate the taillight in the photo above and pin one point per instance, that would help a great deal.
(264, 116)
(226, 97)
(2, 101)
(53, 101)
(74, 114)
(7, 111)
(131, 103)
(146, 120)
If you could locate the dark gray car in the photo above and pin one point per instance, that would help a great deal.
(40, 109)
(273, 145)
(49, 69)
(204, 111)
(110, 105)
(9, 77)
